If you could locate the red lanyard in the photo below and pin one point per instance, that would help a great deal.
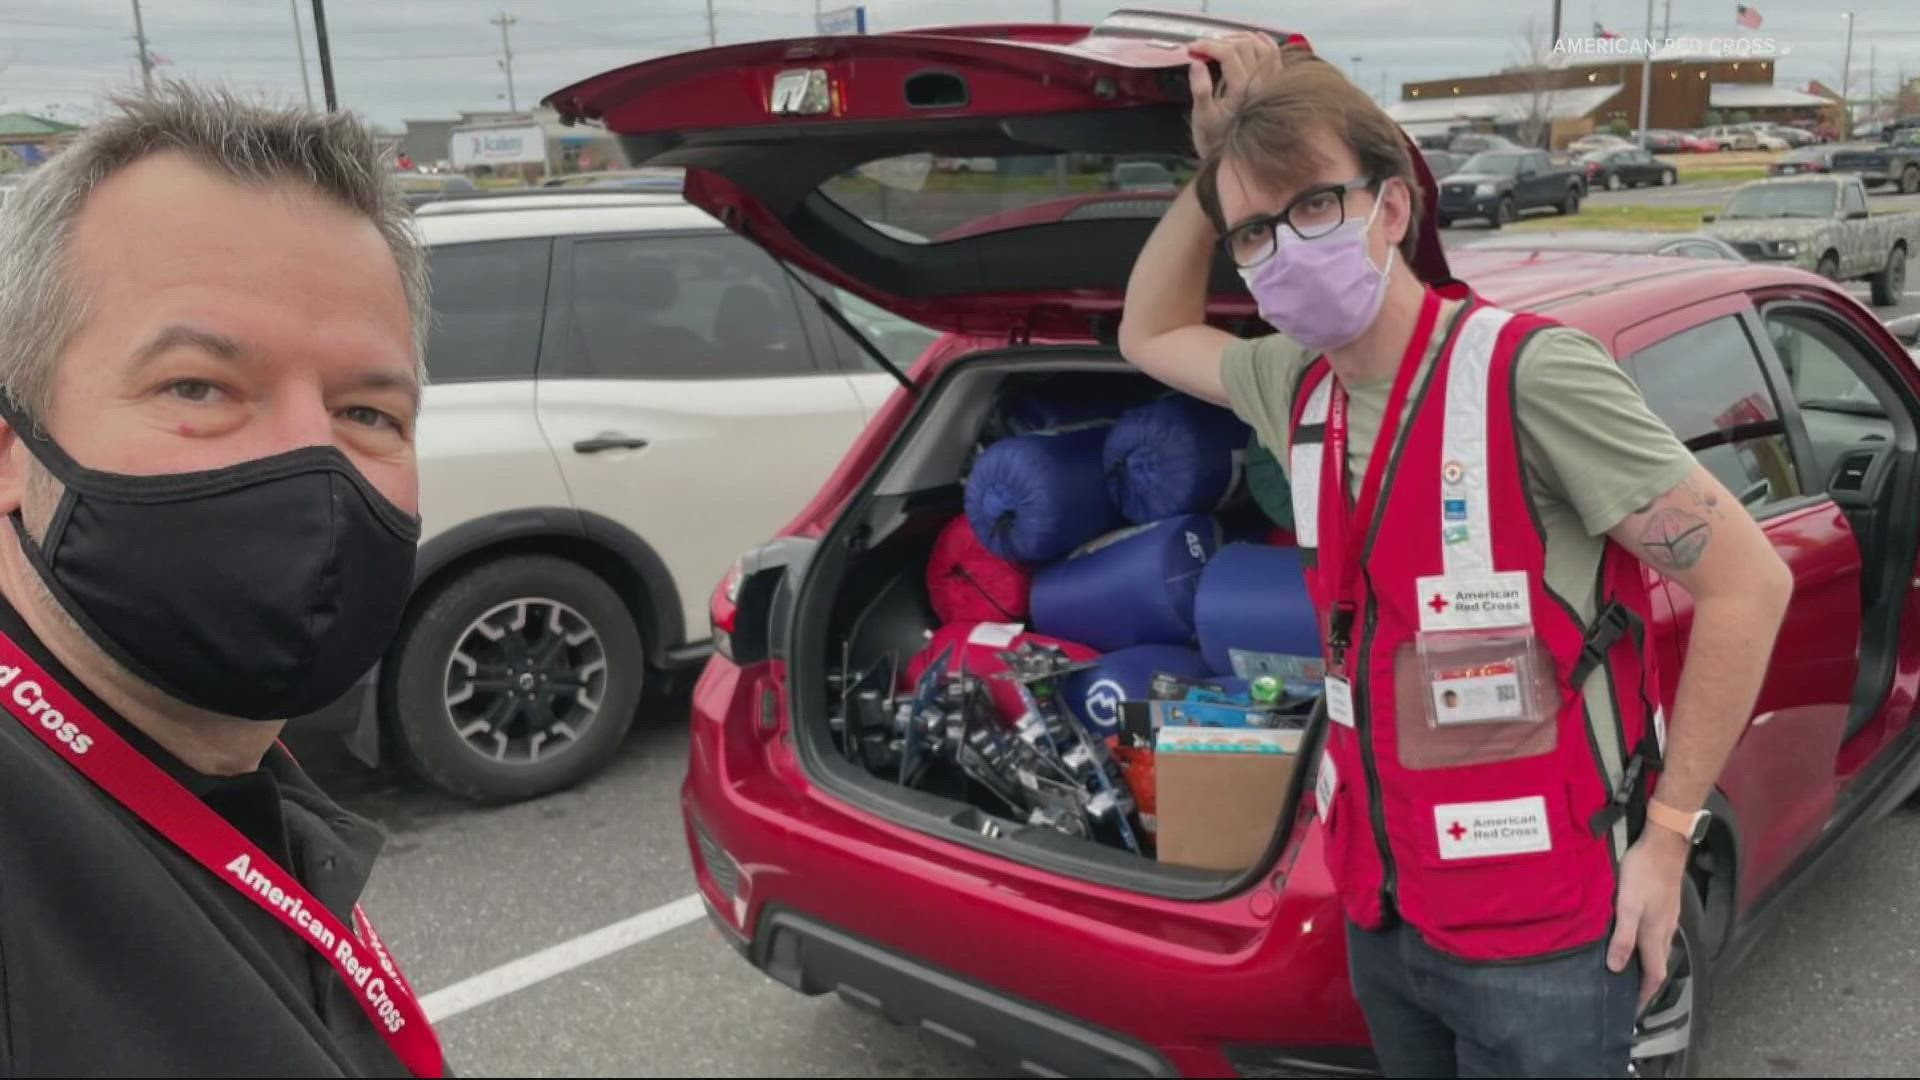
(1354, 520)
(84, 741)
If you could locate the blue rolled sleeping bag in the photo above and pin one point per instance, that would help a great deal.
(1132, 587)
(1177, 455)
(1044, 408)
(1253, 600)
(1033, 498)
(1095, 694)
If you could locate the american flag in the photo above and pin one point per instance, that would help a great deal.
(1746, 16)
(1602, 32)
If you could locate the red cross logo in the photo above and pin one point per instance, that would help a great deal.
(1458, 832)
(1438, 603)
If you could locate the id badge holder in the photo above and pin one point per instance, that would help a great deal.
(1476, 697)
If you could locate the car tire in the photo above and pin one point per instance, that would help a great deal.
(520, 622)
(1679, 1012)
(1829, 266)
(1669, 178)
(1503, 213)
(1570, 204)
(1613, 182)
(1910, 180)
(1444, 222)
(1891, 282)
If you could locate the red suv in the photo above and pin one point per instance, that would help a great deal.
(1058, 955)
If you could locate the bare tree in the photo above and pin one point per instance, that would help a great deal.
(1532, 78)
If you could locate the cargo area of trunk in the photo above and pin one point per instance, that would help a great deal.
(862, 605)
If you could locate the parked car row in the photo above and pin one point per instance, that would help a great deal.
(1614, 168)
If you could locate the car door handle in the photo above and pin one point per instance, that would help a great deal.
(609, 440)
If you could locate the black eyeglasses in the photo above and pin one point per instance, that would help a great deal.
(1311, 215)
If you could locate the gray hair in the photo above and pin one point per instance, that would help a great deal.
(332, 153)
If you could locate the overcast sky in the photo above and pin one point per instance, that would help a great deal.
(395, 59)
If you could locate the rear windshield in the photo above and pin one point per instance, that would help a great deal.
(926, 199)
(1498, 164)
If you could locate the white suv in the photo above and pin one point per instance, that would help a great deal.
(623, 397)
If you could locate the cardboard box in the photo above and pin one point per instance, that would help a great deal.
(1221, 793)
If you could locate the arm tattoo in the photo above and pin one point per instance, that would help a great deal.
(1676, 538)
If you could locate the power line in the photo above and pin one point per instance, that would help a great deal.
(14, 20)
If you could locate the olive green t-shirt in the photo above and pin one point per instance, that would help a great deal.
(1594, 452)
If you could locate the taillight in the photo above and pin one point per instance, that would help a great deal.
(742, 610)
(724, 610)
(743, 607)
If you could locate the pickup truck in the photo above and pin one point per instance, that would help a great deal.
(1897, 162)
(1821, 223)
(1498, 184)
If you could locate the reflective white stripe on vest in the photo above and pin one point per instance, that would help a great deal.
(1306, 461)
(1466, 531)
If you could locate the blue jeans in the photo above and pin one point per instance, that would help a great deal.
(1433, 1015)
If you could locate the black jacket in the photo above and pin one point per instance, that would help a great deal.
(120, 955)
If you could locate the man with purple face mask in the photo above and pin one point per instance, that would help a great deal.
(1476, 492)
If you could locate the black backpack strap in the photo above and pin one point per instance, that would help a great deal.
(1630, 797)
(1616, 620)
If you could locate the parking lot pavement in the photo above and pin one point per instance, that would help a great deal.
(462, 891)
(1703, 194)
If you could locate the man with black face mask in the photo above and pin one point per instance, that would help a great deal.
(208, 380)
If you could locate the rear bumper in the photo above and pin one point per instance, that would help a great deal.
(1039, 973)
(1468, 206)
(814, 958)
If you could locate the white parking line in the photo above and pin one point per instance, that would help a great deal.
(517, 975)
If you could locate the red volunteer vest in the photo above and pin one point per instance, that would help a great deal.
(1495, 860)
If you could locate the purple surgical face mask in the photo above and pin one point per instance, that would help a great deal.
(1325, 292)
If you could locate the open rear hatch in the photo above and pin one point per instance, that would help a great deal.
(992, 180)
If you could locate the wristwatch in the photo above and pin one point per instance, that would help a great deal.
(1692, 826)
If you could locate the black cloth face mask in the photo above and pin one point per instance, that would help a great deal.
(262, 590)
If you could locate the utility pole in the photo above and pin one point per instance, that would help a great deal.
(1666, 33)
(146, 61)
(1873, 83)
(713, 34)
(300, 50)
(1056, 10)
(506, 48)
(1556, 21)
(1646, 80)
(1846, 81)
(326, 53)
